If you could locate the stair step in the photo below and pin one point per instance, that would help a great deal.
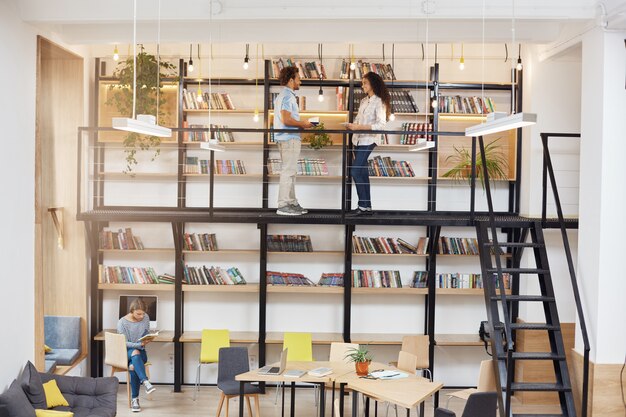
(537, 386)
(540, 298)
(520, 270)
(514, 245)
(535, 356)
(530, 326)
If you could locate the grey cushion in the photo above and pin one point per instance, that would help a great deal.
(32, 386)
(63, 356)
(4, 412)
(87, 397)
(50, 366)
(62, 332)
(16, 402)
(232, 388)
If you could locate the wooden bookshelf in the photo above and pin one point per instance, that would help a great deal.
(220, 111)
(240, 288)
(314, 253)
(390, 291)
(133, 176)
(164, 336)
(135, 251)
(504, 255)
(458, 340)
(276, 338)
(276, 177)
(223, 252)
(463, 291)
(304, 289)
(235, 337)
(239, 176)
(398, 179)
(136, 287)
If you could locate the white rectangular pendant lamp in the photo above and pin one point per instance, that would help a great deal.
(500, 122)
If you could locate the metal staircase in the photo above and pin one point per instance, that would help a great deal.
(500, 304)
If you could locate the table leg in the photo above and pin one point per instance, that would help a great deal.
(332, 403)
(293, 399)
(367, 406)
(241, 391)
(355, 403)
(322, 399)
(375, 408)
(408, 412)
(341, 397)
(283, 400)
(421, 409)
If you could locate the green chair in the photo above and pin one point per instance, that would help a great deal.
(211, 343)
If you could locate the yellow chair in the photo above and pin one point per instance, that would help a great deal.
(211, 343)
(116, 356)
(300, 347)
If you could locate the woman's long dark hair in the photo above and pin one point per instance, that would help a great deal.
(380, 89)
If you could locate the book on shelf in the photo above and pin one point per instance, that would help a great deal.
(402, 101)
(214, 275)
(200, 242)
(204, 101)
(457, 280)
(307, 70)
(122, 240)
(311, 167)
(420, 279)
(415, 138)
(380, 166)
(452, 246)
(166, 279)
(289, 243)
(287, 278)
(212, 132)
(383, 69)
(387, 245)
(194, 165)
(331, 279)
(301, 100)
(466, 105)
(129, 275)
(376, 279)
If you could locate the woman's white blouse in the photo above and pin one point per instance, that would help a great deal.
(371, 112)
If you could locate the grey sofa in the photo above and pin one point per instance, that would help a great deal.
(62, 334)
(87, 397)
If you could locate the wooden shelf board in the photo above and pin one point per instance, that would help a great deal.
(138, 175)
(392, 255)
(235, 337)
(317, 252)
(64, 369)
(276, 338)
(237, 111)
(136, 287)
(407, 179)
(246, 288)
(390, 291)
(222, 252)
(319, 112)
(413, 114)
(226, 175)
(458, 340)
(165, 336)
(148, 250)
(309, 177)
(377, 338)
(304, 289)
(235, 144)
(463, 291)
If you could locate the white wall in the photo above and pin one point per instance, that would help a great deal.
(17, 118)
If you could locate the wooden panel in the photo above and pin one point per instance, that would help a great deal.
(60, 273)
(540, 371)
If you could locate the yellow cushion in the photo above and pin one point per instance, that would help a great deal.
(54, 398)
(212, 341)
(53, 413)
(300, 346)
(47, 348)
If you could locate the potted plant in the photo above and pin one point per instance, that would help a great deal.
(146, 102)
(361, 358)
(318, 140)
(496, 162)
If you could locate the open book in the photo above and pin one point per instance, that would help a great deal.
(150, 336)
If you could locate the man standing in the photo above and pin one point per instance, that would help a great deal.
(287, 116)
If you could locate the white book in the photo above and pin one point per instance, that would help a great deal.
(320, 372)
(294, 373)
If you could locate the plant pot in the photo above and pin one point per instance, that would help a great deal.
(362, 368)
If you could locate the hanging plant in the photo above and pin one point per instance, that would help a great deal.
(496, 162)
(146, 102)
(318, 140)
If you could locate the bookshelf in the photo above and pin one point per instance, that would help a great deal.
(253, 193)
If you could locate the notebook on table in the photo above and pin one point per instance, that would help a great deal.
(275, 370)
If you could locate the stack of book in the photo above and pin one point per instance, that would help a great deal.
(311, 69)
(200, 242)
(381, 245)
(314, 167)
(385, 167)
(466, 105)
(167, 279)
(413, 138)
(212, 276)
(455, 280)
(300, 99)
(376, 279)
(286, 278)
(420, 279)
(215, 101)
(122, 239)
(331, 280)
(128, 275)
(289, 243)
(215, 133)
(362, 68)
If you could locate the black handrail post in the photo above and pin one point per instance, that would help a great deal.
(211, 182)
(473, 181)
(544, 183)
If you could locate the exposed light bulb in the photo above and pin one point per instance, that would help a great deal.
(352, 66)
(519, 64)
(392, 117)
(199, 95)
(116, 54)
(320, 95)
(434, 102)
(245, 63)
(190, 65)
(462, 63)
(256, 116)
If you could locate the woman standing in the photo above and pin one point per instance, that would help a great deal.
(134, 326)
(373, 114)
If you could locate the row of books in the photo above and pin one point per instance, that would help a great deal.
(289, 243)
(287, 278)
(331, 280)
(386, 167)
(466, 105)
(308, 166)
(194, 165)
(122, 239)
(376, 279)
(202, 275)
(381, 245)
(300, 99)
(454, 280)
(200, 242)
(383, 69)
(130, 275)
(214, 101)
(212, 132)
(413, 138)
(311, 69)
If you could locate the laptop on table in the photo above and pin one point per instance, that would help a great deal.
(275, 370)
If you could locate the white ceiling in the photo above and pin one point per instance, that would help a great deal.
(96, 22)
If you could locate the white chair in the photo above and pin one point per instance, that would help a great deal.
(486, 382)
(116, 356)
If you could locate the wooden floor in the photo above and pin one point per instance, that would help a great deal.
(164, 402)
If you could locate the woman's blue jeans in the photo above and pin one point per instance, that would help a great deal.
(360, 174)
(138, 375)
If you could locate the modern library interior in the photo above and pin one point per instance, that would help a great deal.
(314, 208)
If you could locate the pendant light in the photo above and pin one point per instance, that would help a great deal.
(392, 115)
(146, 124)
(462, 59)
(212, 144)
(247, 57)
(352, 63)
(320, 94)
(116, 54)
(255, 117)
(519, 58)
(190, 65)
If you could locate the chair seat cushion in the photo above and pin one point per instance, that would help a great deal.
(51, 366)
(63, 356)
(232, 388)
